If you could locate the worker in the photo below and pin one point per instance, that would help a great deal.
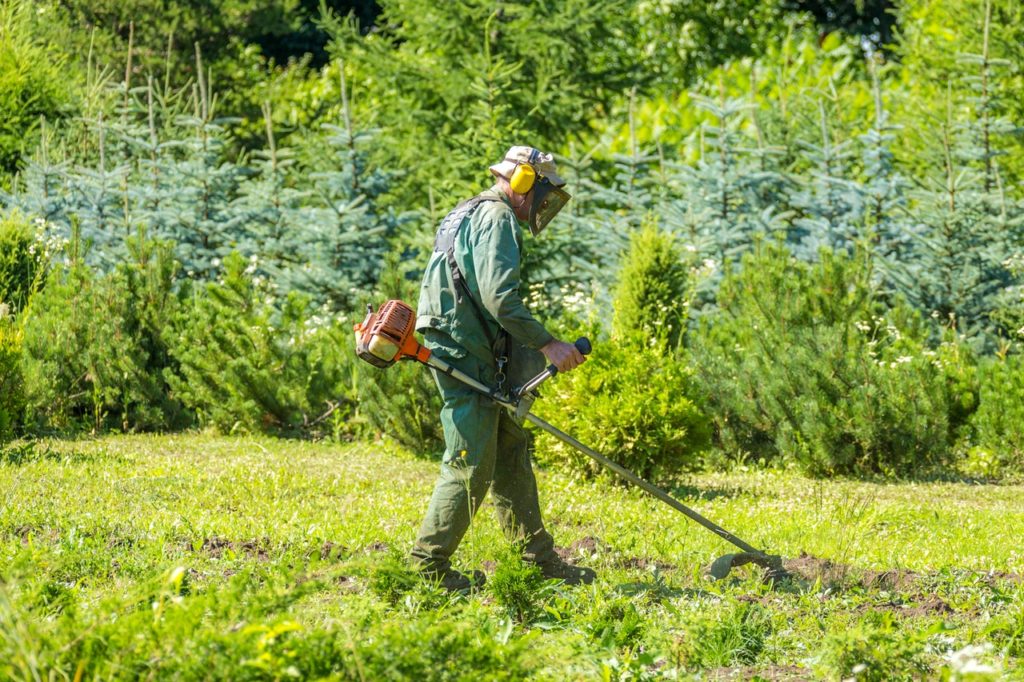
(471, 314)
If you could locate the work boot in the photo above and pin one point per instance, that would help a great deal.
(557, 569)
(453, 581)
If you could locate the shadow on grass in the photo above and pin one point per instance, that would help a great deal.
(19, 454)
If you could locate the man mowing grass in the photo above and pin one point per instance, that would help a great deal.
(471, 315)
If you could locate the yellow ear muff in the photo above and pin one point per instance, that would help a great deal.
(522, 178)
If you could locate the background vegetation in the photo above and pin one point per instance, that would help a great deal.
(824, 203)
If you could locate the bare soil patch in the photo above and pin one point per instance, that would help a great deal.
(772, 672)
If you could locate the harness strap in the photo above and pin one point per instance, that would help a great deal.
(444, 242)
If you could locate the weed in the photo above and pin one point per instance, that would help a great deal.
(391, 577)
(732, 635)
(517, 585)
(875, 650)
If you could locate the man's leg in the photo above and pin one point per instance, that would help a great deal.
(515, 496)
(515, 493)
(470, 423)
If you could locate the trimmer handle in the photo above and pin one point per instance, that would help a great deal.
(582, 345)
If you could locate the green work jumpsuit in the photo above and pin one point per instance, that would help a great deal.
(484, 446)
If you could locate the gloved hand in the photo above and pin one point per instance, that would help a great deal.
(564, 356)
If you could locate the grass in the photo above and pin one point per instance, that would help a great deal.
(198, 557)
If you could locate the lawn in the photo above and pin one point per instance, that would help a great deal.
(201, 557)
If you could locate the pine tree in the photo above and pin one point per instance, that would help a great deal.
(830, 202)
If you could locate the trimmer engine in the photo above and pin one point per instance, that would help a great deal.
(387, 336)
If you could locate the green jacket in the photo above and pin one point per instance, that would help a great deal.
(488, 252)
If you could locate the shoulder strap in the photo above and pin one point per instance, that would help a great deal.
(447, 234)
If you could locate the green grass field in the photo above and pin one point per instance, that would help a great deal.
(196, 557)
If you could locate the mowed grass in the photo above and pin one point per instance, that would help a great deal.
(199, 557)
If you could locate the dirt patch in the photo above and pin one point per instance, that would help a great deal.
(346, 584)
(833, 574)
(930, 606)
(1003, 576)
(217, 546)
(644, 564)
(585, 546)
(812, 569)
(772, 672)
(895, 580)
(330, 550)
(378, 546)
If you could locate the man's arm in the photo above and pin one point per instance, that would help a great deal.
(497, 251)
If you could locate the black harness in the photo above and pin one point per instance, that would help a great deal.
(444, 242)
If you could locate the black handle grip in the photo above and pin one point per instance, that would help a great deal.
(582, 345)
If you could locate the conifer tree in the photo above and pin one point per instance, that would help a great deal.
(830, 202)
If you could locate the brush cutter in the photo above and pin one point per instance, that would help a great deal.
(386, 337)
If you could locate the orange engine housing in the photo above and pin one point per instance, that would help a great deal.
(387, 336)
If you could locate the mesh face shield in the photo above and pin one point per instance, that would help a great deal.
(548, 200)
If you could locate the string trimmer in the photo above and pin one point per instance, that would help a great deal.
(385, 337)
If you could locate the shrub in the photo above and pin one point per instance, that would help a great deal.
(33, 82)
(651, 297)
(243, 365)
(94, 349)
(634, 404)
(20, 263)
(803, 361)
(517, 585)
(12, 397)
(998, 423)
(635, 399)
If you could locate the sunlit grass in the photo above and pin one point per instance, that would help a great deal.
(260, 558)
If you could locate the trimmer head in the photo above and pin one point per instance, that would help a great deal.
(771, 563)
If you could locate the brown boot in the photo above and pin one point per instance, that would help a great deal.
(557, 569)
(453, 581)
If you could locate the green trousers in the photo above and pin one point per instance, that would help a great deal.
(484, 448)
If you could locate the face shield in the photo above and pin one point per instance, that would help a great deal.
(548, 200)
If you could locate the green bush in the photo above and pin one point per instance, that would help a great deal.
(651, 298)
(635, 399)
(634, 404)
(998, 423)
(242, 365)
(21, 264)
(94, 352)
(12, 396)
(34, 83)
(517, 585)
(803, 361)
